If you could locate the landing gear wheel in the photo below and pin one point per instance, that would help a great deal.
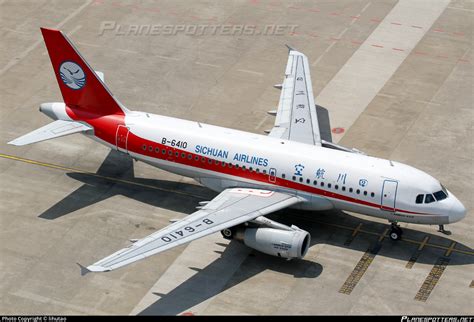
(396, 232)
(227, 233)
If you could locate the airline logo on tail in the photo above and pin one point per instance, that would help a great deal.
(72, 75)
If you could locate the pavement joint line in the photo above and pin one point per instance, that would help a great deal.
(432, 279)
(341, 34)
(33, 46)
(59, 167)
(250, 72)
(207, 64)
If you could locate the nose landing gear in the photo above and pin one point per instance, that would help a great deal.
(441, 230)
(395, 232)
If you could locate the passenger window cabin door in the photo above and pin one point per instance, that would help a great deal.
(272, 175)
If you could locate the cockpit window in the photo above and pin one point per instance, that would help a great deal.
(429, 198)
(440, 195)
(419, 198)
(444, 190)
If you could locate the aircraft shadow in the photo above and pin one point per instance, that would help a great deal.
(198, 288)
(340, 222)
(324, 123)
(116, 176)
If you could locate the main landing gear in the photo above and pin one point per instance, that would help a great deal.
(395, 232)
(228, 233)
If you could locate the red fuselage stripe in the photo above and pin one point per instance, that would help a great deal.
(105, 128)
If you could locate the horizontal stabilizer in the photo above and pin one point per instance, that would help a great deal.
(52, 130)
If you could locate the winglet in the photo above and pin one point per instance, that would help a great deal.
(84, 270)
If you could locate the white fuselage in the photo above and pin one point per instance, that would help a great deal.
(323, 178)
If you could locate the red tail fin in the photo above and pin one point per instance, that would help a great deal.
(80, 86)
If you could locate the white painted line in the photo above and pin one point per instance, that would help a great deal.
(463, 9)
(16, 31)
(86, 44)
(206, 64)
(167, 58)
(365, 8)
(356, 84)
(340, 35)
(127, 51)
(250, 72)
(261, 122)
(18, 58)
(74, 30)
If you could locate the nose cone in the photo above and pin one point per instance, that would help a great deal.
(458, 211)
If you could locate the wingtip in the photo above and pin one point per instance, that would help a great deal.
(84, 270)
(15, 142)
(289, 47)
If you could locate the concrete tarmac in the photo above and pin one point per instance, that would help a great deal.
(395, 76)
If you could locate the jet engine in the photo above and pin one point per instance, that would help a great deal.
(272, 238)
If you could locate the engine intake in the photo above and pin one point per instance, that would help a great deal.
(276, 242)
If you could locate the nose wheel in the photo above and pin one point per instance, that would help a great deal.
(395, 232)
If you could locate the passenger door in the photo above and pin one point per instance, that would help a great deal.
(122, 138)
(389, 195)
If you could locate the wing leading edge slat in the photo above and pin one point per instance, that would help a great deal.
(230, 208)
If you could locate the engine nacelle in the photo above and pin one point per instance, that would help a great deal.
(276, 242)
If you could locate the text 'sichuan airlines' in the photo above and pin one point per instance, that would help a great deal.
(255, 175)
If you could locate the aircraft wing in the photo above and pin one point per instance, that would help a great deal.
(296, 117)
(231, 207)
(50, 131)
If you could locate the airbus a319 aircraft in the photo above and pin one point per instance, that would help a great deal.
(255, 175)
